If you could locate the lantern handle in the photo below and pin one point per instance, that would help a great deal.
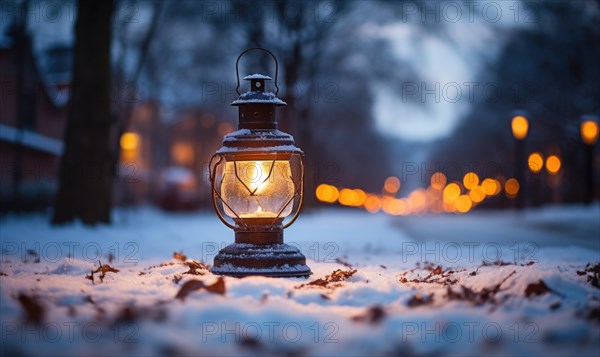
(237, 71)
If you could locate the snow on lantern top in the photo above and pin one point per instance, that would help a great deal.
(257, 94)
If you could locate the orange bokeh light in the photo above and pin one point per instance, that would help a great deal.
(394, 206)
(418, 200)
(451, 192)
(449, 206)
(391, 185)
(470, 180)
(346, 197)
(463, 204)
(520, 126)
(183, 153)
(511, 187)
(327, 193)
(589, 132)
(553, 164)
(535, 162)
(438, 181)
(130, 141)
(372, 204)
(359, 197)
(491, 187)
(477, 194)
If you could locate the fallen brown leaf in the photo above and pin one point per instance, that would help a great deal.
(443, 279)
(487, 294)
(419, 300)
(131, 314)
(538, 288)
(337, 276)
(34, 310)
(196, 268)
(190, 286)
(102, 269)
(594, 274)
(373, 315)
(180, 256)
(218, 287)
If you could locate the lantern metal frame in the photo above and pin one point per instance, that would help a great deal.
(259, 248)
(216, 196)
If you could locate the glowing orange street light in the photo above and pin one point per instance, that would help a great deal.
(511, 187)
(589, 131)
(129, 141)
(589, 135)
(535, 162)
(553, 164)
(130, 146)
(520, 127)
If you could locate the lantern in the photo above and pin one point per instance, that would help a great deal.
(257, 183)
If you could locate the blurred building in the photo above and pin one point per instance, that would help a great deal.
(33, 115)
(193, 138)
(141, 156)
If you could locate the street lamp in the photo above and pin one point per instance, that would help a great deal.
(520, 126)
(589, 135)
(257, 181)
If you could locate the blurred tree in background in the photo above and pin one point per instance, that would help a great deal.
(550, 68)
(86, 173)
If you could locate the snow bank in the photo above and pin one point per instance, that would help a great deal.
(492, 283)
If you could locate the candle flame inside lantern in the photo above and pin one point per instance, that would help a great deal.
(257, 189)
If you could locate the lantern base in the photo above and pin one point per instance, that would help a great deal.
(274, 260)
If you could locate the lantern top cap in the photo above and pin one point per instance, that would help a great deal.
(257, 94)
(257, 76)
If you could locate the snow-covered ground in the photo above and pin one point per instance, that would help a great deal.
(494, 283)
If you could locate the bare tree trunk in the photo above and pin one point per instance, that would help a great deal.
(85, 173)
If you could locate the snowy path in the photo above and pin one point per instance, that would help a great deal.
(420, 287)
